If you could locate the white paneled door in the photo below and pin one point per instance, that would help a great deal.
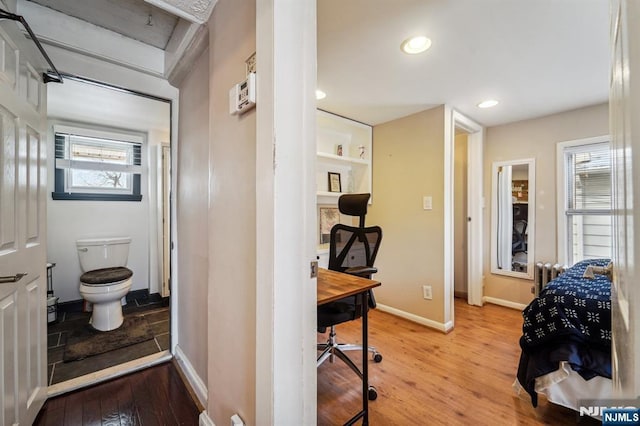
(624, 106)
(23, 286)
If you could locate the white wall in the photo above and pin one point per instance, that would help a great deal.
(70, 220)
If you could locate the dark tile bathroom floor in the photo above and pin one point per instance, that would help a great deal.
(155, 310)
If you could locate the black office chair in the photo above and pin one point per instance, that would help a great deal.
(352, 250)
(519, 237)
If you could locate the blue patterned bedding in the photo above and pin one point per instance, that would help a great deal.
(569, 321)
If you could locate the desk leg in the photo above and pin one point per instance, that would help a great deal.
(364, 414)
(365, 360)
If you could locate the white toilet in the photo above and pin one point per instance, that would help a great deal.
(106, 280)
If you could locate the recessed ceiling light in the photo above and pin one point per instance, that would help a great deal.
(415, 45)
(320, 94)
(488, 103)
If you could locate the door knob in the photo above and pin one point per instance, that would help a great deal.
(12, 278)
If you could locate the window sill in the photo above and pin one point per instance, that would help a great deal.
(94, 197)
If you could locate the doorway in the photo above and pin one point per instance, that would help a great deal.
(91, 109)
(460, 194)
(456, 123)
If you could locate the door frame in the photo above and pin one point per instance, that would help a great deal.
(475, 205)
(624, 103)
(166, 217)
(101, 77)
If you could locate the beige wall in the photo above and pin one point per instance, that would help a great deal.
(534, 139)
(192, 219)
(248, 373)
(460, 215)
(408, 163)
(232, 219)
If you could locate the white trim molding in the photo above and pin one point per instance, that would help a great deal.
(109, 373)
(505, 303)
(196, 383)
(205, 420)
(444, 327)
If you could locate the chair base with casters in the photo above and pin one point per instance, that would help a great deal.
(332, 349)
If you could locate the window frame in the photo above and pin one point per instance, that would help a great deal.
(561, 181)
(63, 166)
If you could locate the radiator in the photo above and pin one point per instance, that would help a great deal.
(543, 273)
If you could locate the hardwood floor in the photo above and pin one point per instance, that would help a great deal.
(155, 396)
(426, 378)
(431, 378)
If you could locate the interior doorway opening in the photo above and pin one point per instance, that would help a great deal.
(460, 221)
(458, 124)
(98, 110)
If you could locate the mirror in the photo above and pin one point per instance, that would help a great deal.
(513, 218)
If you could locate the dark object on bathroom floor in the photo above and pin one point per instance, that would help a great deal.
(88, 341)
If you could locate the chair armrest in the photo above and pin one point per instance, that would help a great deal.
(364, 272)
(361, 271)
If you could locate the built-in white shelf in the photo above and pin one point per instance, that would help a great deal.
(343, 147)
(342, 159)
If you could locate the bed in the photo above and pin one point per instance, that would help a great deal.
(566, 339)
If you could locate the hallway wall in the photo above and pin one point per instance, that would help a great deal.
(408, 163)
(192, 218)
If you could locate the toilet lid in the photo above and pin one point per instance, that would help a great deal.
(106, 275)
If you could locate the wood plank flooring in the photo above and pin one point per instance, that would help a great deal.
(431, 378)
(426, 378)
(155, 396)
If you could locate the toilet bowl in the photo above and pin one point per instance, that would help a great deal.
(106, 280)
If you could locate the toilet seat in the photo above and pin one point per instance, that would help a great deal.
(88, 289)
(106, 276)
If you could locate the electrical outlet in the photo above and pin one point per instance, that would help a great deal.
(426, 292)
(236, 420)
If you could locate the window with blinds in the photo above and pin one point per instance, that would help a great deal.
(90, 167)
(588, 201)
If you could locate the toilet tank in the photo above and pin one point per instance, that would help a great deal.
(98, 253)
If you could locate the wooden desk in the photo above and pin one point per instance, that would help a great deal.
(334, 286)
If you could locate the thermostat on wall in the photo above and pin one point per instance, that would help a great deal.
(242, 96)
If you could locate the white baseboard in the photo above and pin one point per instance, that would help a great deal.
(198, 386)
(204, 419)
(415, 318)
(505, 303)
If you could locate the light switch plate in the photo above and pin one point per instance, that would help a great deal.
(427, 203)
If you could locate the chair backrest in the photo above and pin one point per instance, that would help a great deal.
(353, 250)
(354, 205)
(518, 236)
(353, 247)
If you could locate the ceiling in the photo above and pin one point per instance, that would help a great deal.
(84, 102)
(134, 18)
(535, 57)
